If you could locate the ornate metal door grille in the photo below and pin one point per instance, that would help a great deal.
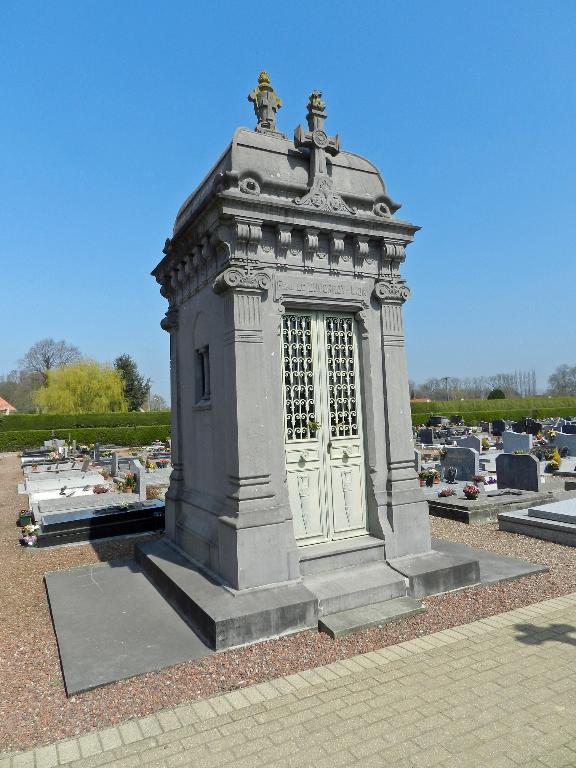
(324, 447)
(298, 377)
(341, 376)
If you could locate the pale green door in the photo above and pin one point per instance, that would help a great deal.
(323, 426)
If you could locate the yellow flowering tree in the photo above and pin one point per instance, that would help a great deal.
(83, 387)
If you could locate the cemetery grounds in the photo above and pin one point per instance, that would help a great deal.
(35, 710)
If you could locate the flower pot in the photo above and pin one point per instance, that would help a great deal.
(128, 490)
(422, 483)
(24, 519)
(471, 496)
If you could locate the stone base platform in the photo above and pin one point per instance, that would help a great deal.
(487, 506)
(221, 616)
(552, 522)
(226, 618)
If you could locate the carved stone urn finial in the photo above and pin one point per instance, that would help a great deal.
(266, 103)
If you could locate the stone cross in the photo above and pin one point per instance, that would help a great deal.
(320, 194)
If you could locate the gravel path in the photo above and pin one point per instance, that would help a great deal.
(33, 706)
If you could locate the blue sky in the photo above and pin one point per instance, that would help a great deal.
(113, 111)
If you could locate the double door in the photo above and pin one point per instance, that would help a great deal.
(323, 426)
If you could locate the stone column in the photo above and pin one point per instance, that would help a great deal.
(256, 542)
(407, 530)
(170, 324)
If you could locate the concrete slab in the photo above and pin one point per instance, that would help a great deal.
(111, 623)
(560, 511)
(377, 614)
(493, 567)
(522, 523)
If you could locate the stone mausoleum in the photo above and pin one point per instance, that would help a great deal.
(293, 493)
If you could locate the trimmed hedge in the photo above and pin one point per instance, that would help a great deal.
(25, 421)
(30, 438)
(514, 403)
(473, 411)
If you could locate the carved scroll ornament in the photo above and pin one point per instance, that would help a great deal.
(392, 289)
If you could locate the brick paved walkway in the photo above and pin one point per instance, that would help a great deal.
(497, 692)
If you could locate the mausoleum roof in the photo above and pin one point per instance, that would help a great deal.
(309, 172)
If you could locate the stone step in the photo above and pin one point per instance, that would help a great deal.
(354, 587)
(333, 555)
(435, 572)
(344, 623)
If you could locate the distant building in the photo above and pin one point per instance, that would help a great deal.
(5, 407)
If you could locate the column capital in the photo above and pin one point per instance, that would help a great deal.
(242, 278)
(391, 289)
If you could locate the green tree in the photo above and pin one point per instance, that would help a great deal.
(83, 387)
(136, 387)
(496, 394)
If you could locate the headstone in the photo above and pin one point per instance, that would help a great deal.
(456, 420)
(97, 452)
(567, 441)
(114, 465)
(140, 479)
(73, 447)
(417, 460)
(533, 427)
(518, 471)
(485, 426)
(466, 461)
(85, 464)
(519, 426)
(516, 442)
(569, 429)
(498, 427)
(434, 421)
(426, 436)
(470, 441)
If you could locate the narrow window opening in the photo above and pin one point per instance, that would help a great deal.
(203, 375)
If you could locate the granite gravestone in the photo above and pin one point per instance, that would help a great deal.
(417, 461)
(569, 429)
(518, 471)
(464, 460)
(498, 426)
(565, 441)
(470, 441)
(426, 436)
(284, 287)
(513, 441)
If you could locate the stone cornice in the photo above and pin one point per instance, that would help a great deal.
(192, 261)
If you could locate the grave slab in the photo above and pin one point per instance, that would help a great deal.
(111, 624)
(487, 506)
